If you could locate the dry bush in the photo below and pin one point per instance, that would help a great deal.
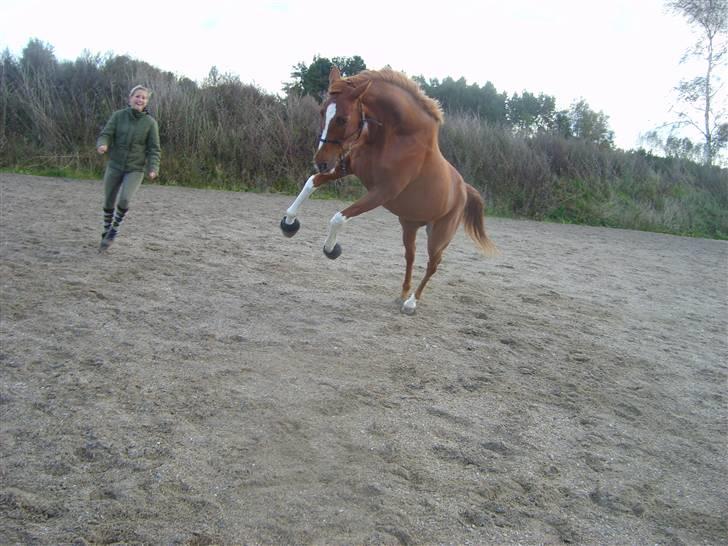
(227, 134)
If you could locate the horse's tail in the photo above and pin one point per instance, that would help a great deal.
(474, 222)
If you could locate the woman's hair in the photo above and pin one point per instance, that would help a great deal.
(137, 88)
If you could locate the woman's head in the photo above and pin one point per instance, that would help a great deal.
(138, 97)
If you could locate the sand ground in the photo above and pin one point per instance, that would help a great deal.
(208, 381)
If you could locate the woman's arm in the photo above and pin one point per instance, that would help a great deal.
(154, 150)
(106, 138)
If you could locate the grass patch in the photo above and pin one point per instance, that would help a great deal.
(55, 172)
(678, 210)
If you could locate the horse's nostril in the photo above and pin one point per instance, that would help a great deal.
(321, 167)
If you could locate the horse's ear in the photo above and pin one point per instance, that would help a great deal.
(334, 75)
(359, 91)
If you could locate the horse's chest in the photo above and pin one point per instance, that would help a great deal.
(377, 169)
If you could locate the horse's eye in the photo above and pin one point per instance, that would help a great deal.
(340, 121)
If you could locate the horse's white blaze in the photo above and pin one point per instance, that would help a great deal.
(330, 113)
(335, 226)
(307, 190)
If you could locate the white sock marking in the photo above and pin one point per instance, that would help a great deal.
(334, 227)
(410, 304)
(306, 192)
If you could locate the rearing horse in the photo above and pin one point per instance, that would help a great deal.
(379, 126)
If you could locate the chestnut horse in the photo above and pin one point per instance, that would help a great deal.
(380, 126)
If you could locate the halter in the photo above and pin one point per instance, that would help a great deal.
(360, 128)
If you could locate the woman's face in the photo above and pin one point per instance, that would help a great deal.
(139, 99)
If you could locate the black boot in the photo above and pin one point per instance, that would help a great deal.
(114, 229)
(108, 219)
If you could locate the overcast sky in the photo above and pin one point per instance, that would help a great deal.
(621, 56)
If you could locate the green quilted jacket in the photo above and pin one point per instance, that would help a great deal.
(133, 141)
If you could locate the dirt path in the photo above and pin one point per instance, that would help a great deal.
(208, 381)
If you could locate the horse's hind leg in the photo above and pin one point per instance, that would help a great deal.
(409, 238)
(439, 236)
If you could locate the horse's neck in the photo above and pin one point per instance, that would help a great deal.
(395, 108)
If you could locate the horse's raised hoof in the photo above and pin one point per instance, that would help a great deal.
(335, 252)
(289, 230)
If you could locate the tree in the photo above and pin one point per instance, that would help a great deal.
(673, 146)
(38, 58)
(589, 125)
(456, 96)
(349, 65)
(8, 81)
(530, 114)
(314, 80)
(700, 93)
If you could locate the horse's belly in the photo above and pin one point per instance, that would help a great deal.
(416, 207)
(425, 202)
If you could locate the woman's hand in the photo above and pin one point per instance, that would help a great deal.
(152, 175)
(102, 149)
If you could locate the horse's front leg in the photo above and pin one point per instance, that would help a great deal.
(370, 201)
(332, 249)
(290, 224)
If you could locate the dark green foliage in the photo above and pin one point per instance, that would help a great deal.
(313, 80)
(526, 114)
(530, 114)
(590, 126)
(527, 159)
(459, 97)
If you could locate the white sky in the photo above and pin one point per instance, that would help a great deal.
(621, 56)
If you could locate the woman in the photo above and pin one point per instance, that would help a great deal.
(131, 136)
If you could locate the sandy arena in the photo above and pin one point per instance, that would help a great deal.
(209, 381)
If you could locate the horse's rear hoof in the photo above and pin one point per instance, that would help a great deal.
(409, 311)
(289, 230)
(335, 252)
(409, 307)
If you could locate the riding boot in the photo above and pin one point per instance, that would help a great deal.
(111, 235)
(108, 218)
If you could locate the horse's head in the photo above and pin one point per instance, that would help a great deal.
(342, 121)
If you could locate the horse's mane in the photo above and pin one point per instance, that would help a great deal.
(428, 104)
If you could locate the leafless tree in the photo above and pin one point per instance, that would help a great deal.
(698, 95)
